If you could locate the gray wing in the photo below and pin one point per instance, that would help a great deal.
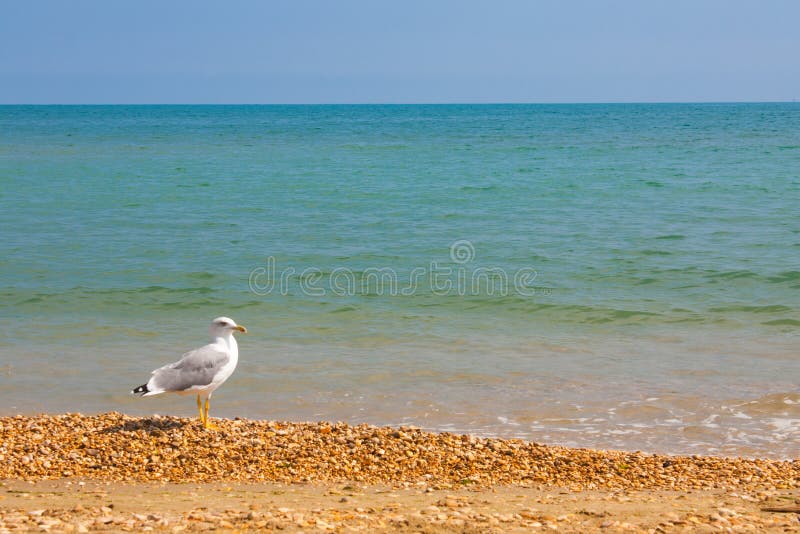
(196, 368)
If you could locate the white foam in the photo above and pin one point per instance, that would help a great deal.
(785, 425)
(709, 421)
(507, 421)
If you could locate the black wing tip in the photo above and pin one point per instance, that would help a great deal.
(141, 390)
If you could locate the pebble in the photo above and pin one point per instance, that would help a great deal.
(117, 448)
(143, 449)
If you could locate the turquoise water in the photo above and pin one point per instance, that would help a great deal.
(622, 276)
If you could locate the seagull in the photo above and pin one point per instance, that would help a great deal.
(199, 371)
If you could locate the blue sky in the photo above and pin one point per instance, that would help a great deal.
(371, 51)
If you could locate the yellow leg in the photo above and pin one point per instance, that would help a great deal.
(200, 409)
(207, 422)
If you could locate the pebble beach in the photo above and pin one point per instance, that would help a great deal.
(344, 477)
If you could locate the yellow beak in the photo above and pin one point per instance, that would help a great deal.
(240, 328)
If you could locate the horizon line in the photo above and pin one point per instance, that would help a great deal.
(421, 103)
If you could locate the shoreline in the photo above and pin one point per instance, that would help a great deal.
(335, 469)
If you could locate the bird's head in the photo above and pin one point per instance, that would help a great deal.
(224, 326)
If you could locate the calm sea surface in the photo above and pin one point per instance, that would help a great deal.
(615, 276)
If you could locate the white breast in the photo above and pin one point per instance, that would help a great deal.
(228, 369)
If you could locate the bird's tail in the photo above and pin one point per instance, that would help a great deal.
(141, 390)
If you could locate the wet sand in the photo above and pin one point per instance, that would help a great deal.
(79, 506)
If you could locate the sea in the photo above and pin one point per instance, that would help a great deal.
(621, 276)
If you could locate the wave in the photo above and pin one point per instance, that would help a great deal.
(731, 275)
(782, 322)
(157, 289)
(546, 305)
(786, 276)
(774, 308)
(653, 252)
(375, 147)
(479, 188)
(82, 299)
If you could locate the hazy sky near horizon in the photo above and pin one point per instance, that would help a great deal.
(371, 51)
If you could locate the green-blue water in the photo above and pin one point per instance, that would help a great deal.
(659, 246)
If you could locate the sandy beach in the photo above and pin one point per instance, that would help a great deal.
(75, 473)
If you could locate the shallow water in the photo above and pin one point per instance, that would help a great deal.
(618, 276)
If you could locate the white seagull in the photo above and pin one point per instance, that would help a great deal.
(199, 371)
